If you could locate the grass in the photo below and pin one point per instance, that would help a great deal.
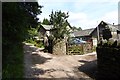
(13, 66)
(94, 48)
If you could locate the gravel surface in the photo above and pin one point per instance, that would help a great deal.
(45, 65)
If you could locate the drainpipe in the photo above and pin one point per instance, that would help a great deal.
(98, 35)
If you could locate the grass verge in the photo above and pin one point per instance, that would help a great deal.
(13, 62)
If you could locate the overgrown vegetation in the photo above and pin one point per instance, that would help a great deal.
(36, 43)
(33, 37)
(17, 19)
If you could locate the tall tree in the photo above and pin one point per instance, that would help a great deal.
(76, 29)
(17, 19)
(59, 21)
(46, 21)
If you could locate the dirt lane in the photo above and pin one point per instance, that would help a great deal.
(45, 65)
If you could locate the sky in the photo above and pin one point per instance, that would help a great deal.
(82, 13)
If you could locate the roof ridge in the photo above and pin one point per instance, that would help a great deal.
(88, 29)
(46, 25)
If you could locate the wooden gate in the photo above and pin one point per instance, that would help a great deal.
(79, 48)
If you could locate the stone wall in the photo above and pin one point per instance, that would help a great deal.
(108, 61)
(60, 48)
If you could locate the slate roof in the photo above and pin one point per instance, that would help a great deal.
(111, 26)
(86, 32)
(117, 26)
(47, 27)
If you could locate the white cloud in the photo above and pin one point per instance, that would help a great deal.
(77, 16)
(42, 16)
(51, 1)
(111, 17)
(82, 20)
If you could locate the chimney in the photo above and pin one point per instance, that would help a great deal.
(119, 26)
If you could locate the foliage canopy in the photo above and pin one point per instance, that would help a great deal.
(59, 21)
(46, 21)
(17, 19)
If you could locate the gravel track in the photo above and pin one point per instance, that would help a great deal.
(45, 65)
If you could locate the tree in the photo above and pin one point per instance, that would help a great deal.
(32, 33)
(59, 21)
(76, 29)
(79, 28)
(46, 21)
(17, 19)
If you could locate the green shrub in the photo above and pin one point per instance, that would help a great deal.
(36, 43)
(94, 48)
